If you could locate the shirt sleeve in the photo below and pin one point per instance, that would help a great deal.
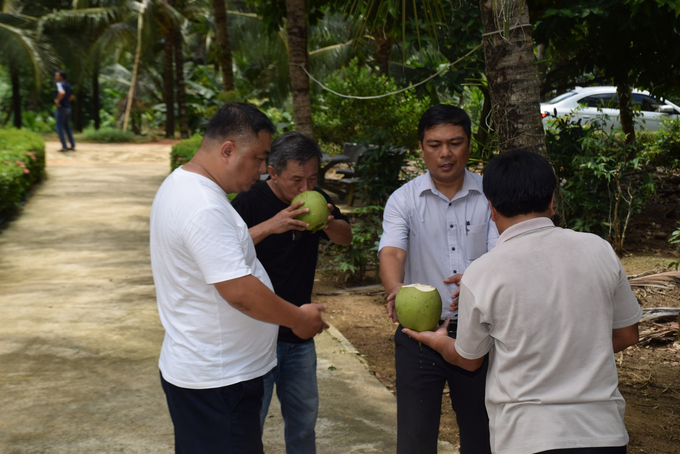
(217, 245)
(472, 339)
(60, 87)
(627, 310)
(395, 225)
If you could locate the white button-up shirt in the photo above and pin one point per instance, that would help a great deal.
(441, 237)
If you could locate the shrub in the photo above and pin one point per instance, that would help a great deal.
(602, 180)
(22, 164)
(339, 120)
(183, 151)
(107, 135)
(354, 260)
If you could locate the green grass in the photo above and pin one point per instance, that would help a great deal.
(107, 135)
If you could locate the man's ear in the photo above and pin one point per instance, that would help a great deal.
(228, 150)
(552, 205)
(494, 213)
(272, 172)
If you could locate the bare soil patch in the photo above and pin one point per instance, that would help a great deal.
(649, 372)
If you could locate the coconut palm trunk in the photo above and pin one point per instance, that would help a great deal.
(168, 85)
(512, 76)
(297, 58)
(223, 45)
(16, 97)
(181, 90)
(95, 93)
(135, 68)
(625, 109)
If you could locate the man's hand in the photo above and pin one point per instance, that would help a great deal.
(310, 323)
(330, 217)
(455, 279)
(429, 337)
(391, 313)
(285, 219)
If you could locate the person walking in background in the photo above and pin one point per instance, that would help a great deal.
(551, 307)
(434, 227)
(63, 114)
(215, 299)
(289, 255)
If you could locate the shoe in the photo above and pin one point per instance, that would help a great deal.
(64, 150)
(72, 149)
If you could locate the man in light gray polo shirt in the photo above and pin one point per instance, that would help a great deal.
(434, 227)
(551, 306)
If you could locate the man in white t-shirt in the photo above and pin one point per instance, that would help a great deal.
(551, 307)
(215, 299)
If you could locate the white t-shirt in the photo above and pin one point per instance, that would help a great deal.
(544, 303)
(198, 239)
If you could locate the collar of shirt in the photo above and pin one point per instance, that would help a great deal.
(524, 227)
(469, 184)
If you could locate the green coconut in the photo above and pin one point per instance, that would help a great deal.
(418, 307)
(317, 217)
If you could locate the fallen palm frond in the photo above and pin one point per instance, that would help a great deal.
(668, 280)
(655, 313)
(660, 332)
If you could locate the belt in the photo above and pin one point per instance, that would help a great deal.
(453, 325)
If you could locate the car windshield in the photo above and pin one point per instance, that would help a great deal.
(562, 97)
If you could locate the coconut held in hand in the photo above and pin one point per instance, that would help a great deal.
(418, 307)
(317, 217)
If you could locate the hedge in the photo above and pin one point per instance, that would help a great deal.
(22, 164)
(184, 150)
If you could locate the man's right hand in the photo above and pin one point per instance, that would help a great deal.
(311, 322)
(285, 221)
(391, 313)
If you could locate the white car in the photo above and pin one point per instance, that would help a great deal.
(602, 104)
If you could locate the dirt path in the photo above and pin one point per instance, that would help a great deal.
(79, 328)
(80, 374)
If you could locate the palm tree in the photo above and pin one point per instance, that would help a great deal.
(22, 47)
(297, 54)
(515, 100)
(224, 45)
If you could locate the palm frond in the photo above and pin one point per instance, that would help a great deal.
(23, 45)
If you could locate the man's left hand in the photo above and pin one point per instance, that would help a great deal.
(330, 217)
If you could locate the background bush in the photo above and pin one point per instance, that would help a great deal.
(107, 135)
(184, 150)
(22, 164)
(339, 120)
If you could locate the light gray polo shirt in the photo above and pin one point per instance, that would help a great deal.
(543, 303)
(441, 237)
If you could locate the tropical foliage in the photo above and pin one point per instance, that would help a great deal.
(22, 164)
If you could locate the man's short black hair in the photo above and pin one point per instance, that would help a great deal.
(444, 114)
(292, 146)
(236, 119)
(62, 73)
(519, 182)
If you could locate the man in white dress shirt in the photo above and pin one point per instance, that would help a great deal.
(551, 307)
(435, 226)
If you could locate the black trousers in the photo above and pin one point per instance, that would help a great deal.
(421, 376)
(216, 421)
(602, 450)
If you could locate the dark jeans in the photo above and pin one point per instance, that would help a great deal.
(421, 376)
(216, 421)
(603, 450)
(62, 122)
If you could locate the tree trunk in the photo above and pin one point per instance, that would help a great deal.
(16, 97)
(384, 51)
(95, 93)
(223, 45)
(77, 109)
(168, 85)
(297, 59)
(135, 71)
(625, 108)
(482, 136)
(513, 79)
(181, 91)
